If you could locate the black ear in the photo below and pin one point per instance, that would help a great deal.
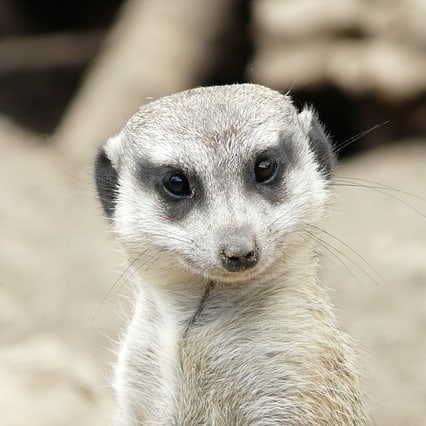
(106, 178)
(319, 142)
(321, 146)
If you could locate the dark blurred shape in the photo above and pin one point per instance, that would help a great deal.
(346, 116)
(234, 46)
(11, 21)
(39, 74)
(49, 16)
(45, 48)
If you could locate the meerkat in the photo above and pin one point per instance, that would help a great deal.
(216, 194)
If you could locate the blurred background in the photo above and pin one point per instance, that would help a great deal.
(71, 74)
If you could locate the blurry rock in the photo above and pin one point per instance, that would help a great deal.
(15, 318)
(275, 20)
(401, 20)
(362, 47)
(58, 265)
(287, 66)
(157, 47)
(388, 69)
(53, 357)
(353, 66)
(44, 383)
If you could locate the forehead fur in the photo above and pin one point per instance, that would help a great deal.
(212, 115)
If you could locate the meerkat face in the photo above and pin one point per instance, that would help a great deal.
(219, 182)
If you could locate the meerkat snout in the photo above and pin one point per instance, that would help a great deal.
(239, 254)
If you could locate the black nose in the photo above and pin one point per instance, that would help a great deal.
(239, 258)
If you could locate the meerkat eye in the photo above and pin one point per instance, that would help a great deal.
(177, 185)
(265, 170)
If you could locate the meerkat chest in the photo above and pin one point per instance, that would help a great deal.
(235, 374)
(238, 366)
(212, 371)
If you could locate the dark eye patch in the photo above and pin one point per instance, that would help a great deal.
(267, 169)
(178, 189)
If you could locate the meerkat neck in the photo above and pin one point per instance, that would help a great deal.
(195, 301)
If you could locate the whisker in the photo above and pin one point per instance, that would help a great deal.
(117, 281)
(180, 239)
(145, 265)
(380, 186)
(329, 248)
(381, 191)
(347, 257)
(353, 139)
(358, 255)
(149, 262)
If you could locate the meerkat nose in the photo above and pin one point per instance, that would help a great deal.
(239, 255)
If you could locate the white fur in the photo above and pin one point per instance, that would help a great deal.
(265, 348)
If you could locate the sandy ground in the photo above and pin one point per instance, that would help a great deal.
(61, 308)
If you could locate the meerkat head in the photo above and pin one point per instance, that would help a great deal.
(219, 182)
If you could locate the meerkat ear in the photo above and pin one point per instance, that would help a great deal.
(319, 141)
(106, 176)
